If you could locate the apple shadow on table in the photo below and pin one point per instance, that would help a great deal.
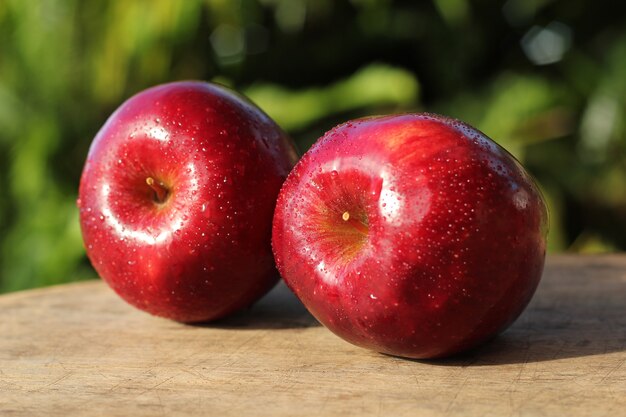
(278, 309)
(564, 320)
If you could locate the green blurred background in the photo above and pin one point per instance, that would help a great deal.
(544, 78)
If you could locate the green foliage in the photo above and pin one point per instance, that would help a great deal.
(373, 85)
(65, 65)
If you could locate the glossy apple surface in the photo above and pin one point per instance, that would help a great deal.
(176, 200)
(413, 235)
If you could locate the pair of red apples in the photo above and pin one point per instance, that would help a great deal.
(413, 235)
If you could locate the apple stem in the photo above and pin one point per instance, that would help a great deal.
(160, 190)
(357, 224)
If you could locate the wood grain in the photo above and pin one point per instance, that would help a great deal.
(78, 350)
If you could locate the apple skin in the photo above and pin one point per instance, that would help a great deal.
(219, 161)
(413, 235)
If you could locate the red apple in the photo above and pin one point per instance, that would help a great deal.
(176, 200)
(413, 235)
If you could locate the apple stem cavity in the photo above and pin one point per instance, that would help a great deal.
(357, 224)
(160, 191)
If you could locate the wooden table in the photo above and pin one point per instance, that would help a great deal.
(78, 350)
